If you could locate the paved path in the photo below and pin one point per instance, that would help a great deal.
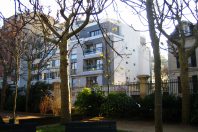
(142, 126)
(130, 126)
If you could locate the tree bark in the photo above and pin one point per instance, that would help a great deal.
(28, 85)
(17, 57)
(65, 90)
(157, 66)
(183, 60)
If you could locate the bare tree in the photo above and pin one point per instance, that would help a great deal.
(13, 28)
(7, 63)
(35, 49)
(59, 34)
(180, 15)
(148, 6)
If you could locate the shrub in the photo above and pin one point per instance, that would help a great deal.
(147, 106)
(89, 101)
(45, 104)
(55, 106)
(119, 105)
(171, 108)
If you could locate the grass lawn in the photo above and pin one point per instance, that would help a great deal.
(55, 128)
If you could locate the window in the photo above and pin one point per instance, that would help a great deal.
(93, 48)
(186, 29)
(57, 74)
(90, 81)
(99, 64)
(52, 75)
(53, 63)
(191, 61)
(89, 49)
(95, 33)
(49, 64)
(93, 64)
(57, 63)
(73, 67)
(45, 76)
(74, 82)
(195, 83)
(74, 54)
(99, 47)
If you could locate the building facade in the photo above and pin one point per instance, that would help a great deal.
(107, 54)
(173, 60)
(110, 53)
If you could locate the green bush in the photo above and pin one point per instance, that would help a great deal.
(171, 108)
(147, 107)
(89, 101)
(119, 105)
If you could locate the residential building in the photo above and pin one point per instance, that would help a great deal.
(173, 59)
(109, 53)
(37, 51)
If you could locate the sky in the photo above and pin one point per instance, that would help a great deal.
(7, 9)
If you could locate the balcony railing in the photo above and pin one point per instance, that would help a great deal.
(93, 51)
(93, 67)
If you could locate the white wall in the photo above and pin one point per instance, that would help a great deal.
(137, 55)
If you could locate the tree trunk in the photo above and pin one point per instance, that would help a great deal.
(183, 60)
(65, 91)
(157, 66)
(4, 88)
(28, 85)
(17, 57)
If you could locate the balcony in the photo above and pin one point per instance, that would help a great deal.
(93, 51)
(93, 67)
